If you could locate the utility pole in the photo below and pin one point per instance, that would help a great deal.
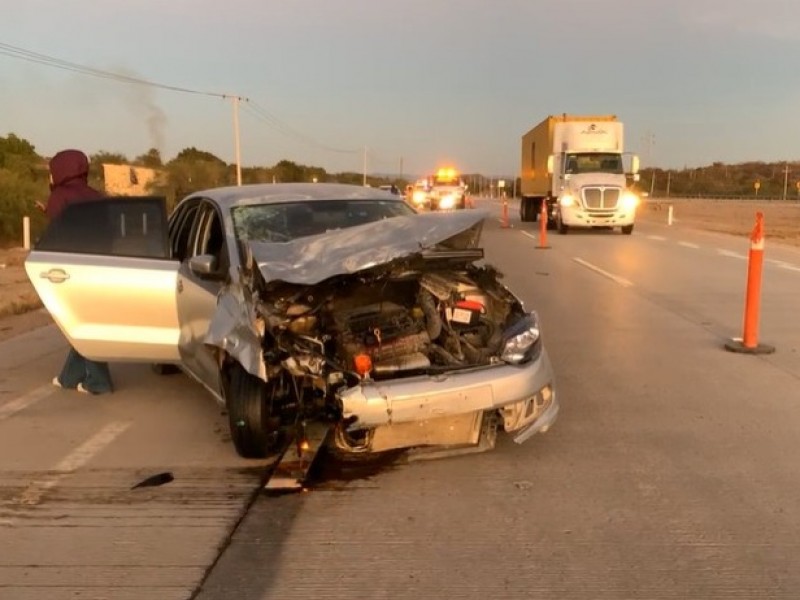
(365, 167)
(669, 180)
(652, 182)
(237, 147)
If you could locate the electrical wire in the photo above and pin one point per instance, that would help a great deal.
(251, 107)
(50, 61)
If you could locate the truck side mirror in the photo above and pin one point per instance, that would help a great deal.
(635, 165)
(550, 164)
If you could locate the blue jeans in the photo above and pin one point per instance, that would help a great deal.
(95, 376)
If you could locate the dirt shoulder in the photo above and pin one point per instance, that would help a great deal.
(19, 303)
(735, 217)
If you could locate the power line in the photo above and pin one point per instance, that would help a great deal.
(50, 61)
(263, 114)
(253, 108)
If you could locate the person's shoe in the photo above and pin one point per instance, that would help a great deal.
(56, 382)
(82, 389)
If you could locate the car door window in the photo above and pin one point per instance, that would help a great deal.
(181, 228)
(130, 226)
(209, 235)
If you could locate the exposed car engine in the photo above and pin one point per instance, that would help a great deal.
(395, 324)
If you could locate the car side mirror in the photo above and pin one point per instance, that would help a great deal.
(205, 266)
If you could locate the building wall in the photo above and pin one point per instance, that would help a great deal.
(126, 180)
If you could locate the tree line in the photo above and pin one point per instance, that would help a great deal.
(24, 179)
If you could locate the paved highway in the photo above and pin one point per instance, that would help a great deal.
(671, 472)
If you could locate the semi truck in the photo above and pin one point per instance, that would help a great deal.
(575, 166)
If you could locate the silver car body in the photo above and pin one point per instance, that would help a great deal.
(131, 301)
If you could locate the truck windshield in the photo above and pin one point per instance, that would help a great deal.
(593, 162)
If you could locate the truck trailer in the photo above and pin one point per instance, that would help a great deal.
(573, 164)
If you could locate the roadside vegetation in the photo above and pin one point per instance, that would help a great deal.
(24, 180)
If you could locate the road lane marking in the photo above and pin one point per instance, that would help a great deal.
(530, 235)
(72, 462)
(23, 402)
(688, 245)
(730, 253)
(620, 280)
(658, 238)
(784, 265)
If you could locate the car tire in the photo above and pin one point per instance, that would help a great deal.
(255, 430)
(627, 229)
(560, 226)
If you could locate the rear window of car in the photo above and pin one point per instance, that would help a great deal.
(131, 226)
(292, 220)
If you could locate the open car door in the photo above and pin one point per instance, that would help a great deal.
(103, 271)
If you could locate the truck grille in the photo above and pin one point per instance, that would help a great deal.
(601, 198)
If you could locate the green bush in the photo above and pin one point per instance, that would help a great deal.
(18, 197)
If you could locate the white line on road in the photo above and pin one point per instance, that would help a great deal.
(658, 238)
(23, 402)
(620, 280)
(730, 253)
(784, 265)
(73, 461)
(530, 235)
(688, 245)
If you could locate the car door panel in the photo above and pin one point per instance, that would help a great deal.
(110, 308)
(102, 271)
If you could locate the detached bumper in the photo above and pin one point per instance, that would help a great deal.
(523, 395)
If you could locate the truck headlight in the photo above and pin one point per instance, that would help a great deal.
(522, 341)
(567, 200)
(447, 201)
(629, 200)
(418, 197)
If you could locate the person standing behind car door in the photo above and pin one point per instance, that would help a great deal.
(69, 184)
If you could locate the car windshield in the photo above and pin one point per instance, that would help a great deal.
(292, 220)
(593, 162)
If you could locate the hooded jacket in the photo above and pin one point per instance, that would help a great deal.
(69, 170)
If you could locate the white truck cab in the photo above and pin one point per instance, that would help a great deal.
(586, 182)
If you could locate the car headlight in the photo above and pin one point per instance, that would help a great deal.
(629, 200)
(522, 341)
(447, 201)
(567, 200)
(418, 197)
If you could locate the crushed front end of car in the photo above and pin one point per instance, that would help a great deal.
(394, 333)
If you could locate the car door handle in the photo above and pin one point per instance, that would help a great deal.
(180, 285)
(55, 275)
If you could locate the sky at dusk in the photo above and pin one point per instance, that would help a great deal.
(417, 82)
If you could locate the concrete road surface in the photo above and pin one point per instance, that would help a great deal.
(671, 472)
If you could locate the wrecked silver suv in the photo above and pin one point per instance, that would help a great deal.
(293, 303)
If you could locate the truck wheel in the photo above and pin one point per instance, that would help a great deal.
(562, 229)
(254, 428)
(627, 229)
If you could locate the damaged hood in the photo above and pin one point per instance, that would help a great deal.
(310, 260)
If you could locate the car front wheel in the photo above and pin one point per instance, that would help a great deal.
(255, 429)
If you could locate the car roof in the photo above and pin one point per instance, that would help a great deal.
(279, 193)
